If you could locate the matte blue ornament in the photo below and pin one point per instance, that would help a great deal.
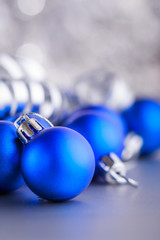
(57, 163)
(132, 142)
(143, 118)
(5, 111)
(10, 155)
(106, 141)
(100, 131)
(12, 118)
(114, 116)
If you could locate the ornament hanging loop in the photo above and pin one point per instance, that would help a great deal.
(115, 171)
(27, 128)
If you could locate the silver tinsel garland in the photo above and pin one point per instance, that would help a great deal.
(71, 37)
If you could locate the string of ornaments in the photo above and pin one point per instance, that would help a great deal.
(57, 141)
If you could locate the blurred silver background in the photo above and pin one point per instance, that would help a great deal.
(72, 37)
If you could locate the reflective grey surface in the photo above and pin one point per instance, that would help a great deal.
(101, 212)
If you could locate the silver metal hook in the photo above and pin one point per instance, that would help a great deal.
(27, 128)
(115, 171)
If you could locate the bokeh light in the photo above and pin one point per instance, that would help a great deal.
(31, 7)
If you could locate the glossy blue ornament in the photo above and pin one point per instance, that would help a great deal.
(100, 131)
(57, 163)
(143, 118)
(10, 155)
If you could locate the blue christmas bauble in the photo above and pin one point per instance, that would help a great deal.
(12, 118)
(143, 118)
(109, 113)
(5, 111)
(57, 164)
(10, 155)
(100, 131)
